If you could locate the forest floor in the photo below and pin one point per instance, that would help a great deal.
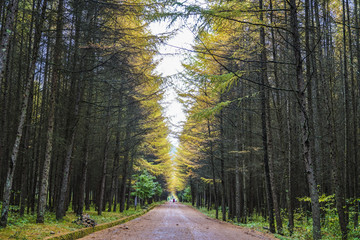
(303, 225)
(177, 221)
(25, 227)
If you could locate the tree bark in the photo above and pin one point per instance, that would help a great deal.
(51, 119)
(290, 171)
(237, 178)
(88, 121)
(105, 157)
(73, 119)
(85, 160)
(304, 121)
(265, 130)
(129, 183)
(6, 35)
(125, 171)
(355, 116)
(222, 165)
(213, 171)
(115, 173)
(15, 149)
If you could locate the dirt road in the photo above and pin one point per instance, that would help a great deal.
(172, 221)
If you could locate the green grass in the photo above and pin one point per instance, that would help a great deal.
(303, 225)
(257, 222)
(25, 227)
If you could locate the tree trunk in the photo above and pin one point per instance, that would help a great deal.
(105, 157)
(352, 155)
(213, 172)
(115, 173)
(61, 209)
(51, 120)
(15, 149)
(265, 130)
(339, 176)
(355, 116)
(7, 31)
(129, 184)
(73, 118)
(304, 121)
(124, 174)
(85, 151)
(237, 179)
(85, 162)
(290, 171)
(88, 122)
(222, 161)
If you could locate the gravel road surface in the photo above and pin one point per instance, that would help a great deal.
(174, 221)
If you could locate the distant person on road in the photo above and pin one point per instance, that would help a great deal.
(173, 199)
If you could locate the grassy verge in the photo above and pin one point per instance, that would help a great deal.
(257, 224)
(303, 226)
(26, 227)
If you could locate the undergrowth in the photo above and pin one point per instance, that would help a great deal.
(303, 224)
(25, 227)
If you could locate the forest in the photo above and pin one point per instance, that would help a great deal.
(270, 90)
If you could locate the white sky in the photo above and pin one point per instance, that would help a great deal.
(170, 65)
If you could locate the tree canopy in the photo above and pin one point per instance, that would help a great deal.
(271, 92)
